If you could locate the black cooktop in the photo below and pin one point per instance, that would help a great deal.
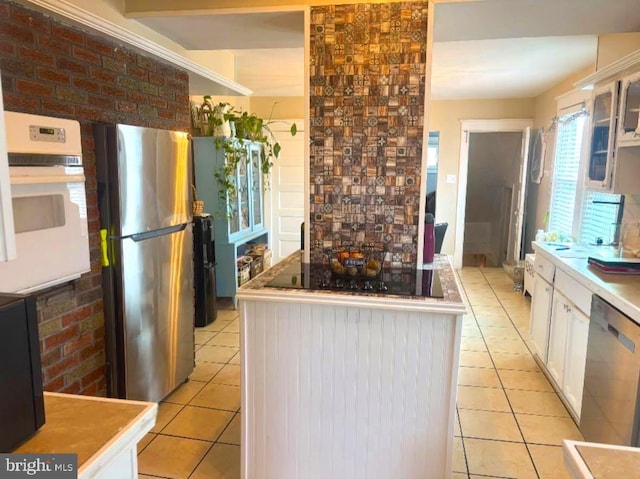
(395, 281)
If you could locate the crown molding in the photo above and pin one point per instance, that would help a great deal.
(612, 70)
(202, 81)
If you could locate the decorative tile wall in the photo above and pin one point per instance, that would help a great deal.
(367, 81)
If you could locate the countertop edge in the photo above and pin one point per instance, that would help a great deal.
(599, 287)
(573, 461)
(404, 304)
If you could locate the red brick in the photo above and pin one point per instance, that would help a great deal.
(50, 357)
(157, 79)
(101, 102)
(86, 55)
(86, 85)
(18, 33)
(94, 389)
(64, 335)
(167, 114)
(90, 113)
(147, 63)
(114, 91)
(96, 347)
(54, 386)
(178, 85)
(7, 84)
(33, 88)
(30, 19)
(93, 376)
(137, 97)
(72, 66)
(54, 45)
(73, 95)
(126, 106)
(55, 76)
(4, 10)
(18, 102)
(77, 344)
(7, 49)
(102, 75)
(137, 72)
(99, 46)
(73, 388)
(124, 55)
(182, 76)
(157, 102)
(57, 108)
(68, 34)
(35, 55)
(76, 316)
(60, 367)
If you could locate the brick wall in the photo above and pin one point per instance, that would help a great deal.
(52, 68)
(367, 79)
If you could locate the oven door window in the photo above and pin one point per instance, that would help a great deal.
(34, 213)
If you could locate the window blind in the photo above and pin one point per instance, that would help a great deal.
(565, 173)
(597, 219)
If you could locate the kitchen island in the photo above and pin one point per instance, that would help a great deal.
(348, 384)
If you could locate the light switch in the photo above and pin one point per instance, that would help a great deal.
(452, 179)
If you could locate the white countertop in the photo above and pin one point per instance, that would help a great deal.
(590, 460)
(620, 290)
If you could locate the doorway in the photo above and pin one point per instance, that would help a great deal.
(492, 191)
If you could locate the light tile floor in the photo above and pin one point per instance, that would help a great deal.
(510, 423)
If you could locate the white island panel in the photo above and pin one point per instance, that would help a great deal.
(332, 390)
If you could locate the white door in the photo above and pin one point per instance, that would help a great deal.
(540, 317)
(517, 223)
(558, 337)
(285, 198)
(576, 359)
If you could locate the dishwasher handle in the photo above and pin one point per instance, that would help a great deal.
(622, 339)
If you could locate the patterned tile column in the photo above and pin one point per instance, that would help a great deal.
(367, 80)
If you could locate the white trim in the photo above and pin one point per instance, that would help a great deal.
(213, 11)
(7, 234)
(220, 85)
(612, 70)
(307, 133)
(473, 126)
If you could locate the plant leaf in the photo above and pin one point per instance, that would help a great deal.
(294, 129)
(276, 149)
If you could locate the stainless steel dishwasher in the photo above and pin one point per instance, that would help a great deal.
(610, 398)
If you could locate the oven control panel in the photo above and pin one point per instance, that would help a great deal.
(47, 133)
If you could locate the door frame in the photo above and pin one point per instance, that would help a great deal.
(476, 126)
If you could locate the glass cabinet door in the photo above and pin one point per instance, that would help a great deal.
(243, 194)
(234, 207)
(629, 130)
(256, 186)
(602, 136)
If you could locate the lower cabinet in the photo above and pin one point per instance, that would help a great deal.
(567, 353)
(540, 315)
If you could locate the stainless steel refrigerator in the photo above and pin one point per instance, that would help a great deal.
(144, 178)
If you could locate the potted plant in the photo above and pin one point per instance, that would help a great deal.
(231, 128)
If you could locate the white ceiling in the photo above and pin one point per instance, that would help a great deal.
(483, 49)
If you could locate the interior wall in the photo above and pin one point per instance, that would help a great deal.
(278, 107)
(615, 46)
(494, 164)
(445, 117)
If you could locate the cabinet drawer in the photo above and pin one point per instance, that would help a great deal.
(544, 268)
(574, 291)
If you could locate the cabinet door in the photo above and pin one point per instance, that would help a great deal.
(558, 337)
(255, 155)
(576, 358)
(602, 140)
(629, 129)
(540, 317)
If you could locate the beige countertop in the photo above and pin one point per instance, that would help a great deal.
(587, 460)
(620, 290)
(88, 426)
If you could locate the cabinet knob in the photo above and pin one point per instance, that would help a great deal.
(547, 289)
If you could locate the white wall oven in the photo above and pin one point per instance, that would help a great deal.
(49, 203)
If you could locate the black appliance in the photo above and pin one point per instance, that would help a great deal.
(391, 281)
(22, 404)
(204, 270)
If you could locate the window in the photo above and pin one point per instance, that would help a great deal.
(598, 218)
(566, 172)
(596, 211)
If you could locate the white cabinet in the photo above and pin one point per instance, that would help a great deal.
(602, 136)
(629, 124)
(540, 316)
(558, 337)
(568, 349)
(7, 235)
(576, 358)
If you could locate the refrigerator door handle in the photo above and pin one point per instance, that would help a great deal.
(155, 233)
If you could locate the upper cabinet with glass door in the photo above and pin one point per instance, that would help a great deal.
(629, 125)
(602, 138)
(255, 159)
